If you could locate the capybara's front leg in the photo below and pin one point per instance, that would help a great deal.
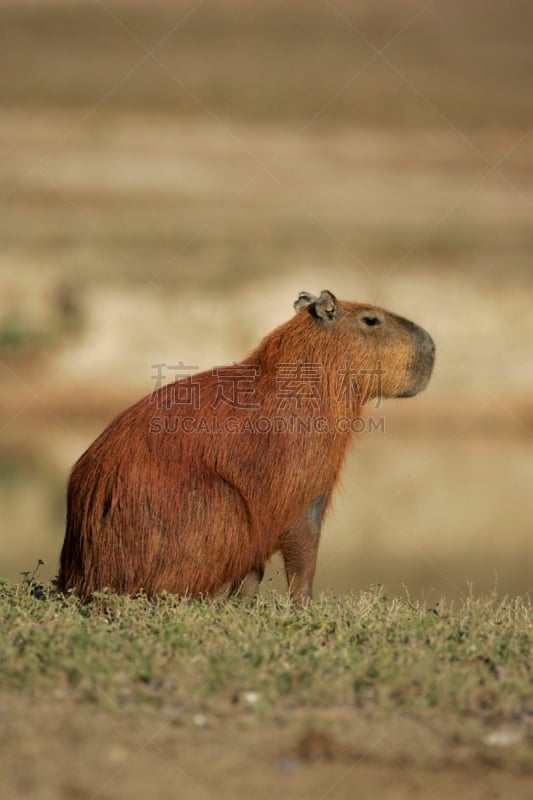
(299, 547)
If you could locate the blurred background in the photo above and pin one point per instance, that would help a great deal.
(172, 174)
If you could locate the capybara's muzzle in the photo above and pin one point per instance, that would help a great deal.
(422, 363)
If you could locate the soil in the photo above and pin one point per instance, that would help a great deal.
(54, 748)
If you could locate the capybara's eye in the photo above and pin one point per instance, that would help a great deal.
(369, 320)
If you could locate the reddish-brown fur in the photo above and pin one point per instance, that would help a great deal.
(153, 508)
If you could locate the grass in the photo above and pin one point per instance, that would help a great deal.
(368, 651)
(126, 696)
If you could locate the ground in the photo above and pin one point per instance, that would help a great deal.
(366, 694)
(52, 748)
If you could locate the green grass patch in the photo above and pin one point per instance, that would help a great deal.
(365, 651)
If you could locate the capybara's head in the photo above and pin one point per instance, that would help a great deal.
(390, 356)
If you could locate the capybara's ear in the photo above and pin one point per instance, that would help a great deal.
(326, 307)
(304, 299)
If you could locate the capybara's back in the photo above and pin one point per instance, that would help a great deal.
(195, 487)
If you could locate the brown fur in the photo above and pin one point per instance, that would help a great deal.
(154, 509)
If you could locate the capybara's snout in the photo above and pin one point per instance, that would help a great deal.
(423, 359)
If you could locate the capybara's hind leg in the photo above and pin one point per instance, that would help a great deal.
(299, 547)
(248, 588)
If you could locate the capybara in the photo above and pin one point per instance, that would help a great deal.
(196, 486)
